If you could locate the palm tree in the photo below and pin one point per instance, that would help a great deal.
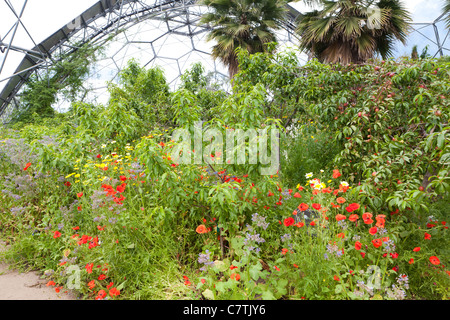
(352, 31)
(245, 24)
(447, 11)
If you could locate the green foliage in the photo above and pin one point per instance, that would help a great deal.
(100, 185)
(65, 77)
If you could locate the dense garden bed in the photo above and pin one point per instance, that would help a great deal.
(357, 210)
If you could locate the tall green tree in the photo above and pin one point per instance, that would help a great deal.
(353, 31)
(247, 24)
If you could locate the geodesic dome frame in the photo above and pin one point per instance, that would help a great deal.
(163, 22)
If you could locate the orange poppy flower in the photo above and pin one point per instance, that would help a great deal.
(340, 200)
(336, 174)
(201, 229)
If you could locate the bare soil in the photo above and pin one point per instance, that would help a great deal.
(15, 285)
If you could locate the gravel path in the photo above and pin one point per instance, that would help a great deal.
(26, 286)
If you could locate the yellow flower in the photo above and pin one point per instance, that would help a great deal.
(68, 176)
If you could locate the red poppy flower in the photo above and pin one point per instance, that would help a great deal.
(353, 217)
(367, 215)
(91, 284)
(233, 267)
(312, 223)
(101, 295)
(67, 184)
(297, 195)
(316, 206)
(373, 230)
(56, 234)
(427, 236)
(114, 292)
(76, 228)
(102, 277)
(336, 278)
(303, 206)
(235, 276)
(79, 195)
(203, 281)
(99, 156)
(411, 261)
(363, 254)
(50, 283)
(299, 224)
(340, 217)
(358, 245)
(121, 188)
(276, 268)
(89, 267)
(336, 174)
(289, 221)
(352, 207)
(416, 249)
(434, 260)
(341, 235)
(27, 166)
(377, 243)
(394, 255)
(110, 285)
(340, 200)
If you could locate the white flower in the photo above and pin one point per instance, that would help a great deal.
(344, 183)
(309, 175)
